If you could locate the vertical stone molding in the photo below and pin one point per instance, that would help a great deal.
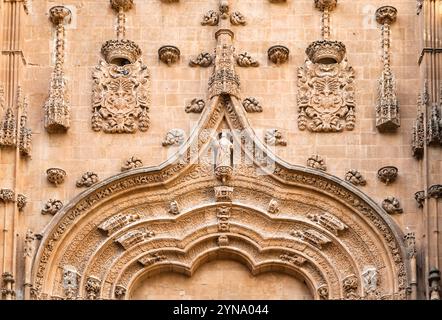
(57, 106)
(387, 109)
(25, 134)
(418, 133)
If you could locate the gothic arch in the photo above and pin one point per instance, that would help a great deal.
(174, 217)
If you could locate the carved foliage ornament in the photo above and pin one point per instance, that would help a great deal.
(278, 54)
(204, 60)
(88, 179)
(93, 287)
(245, 60)
(312, 236)
(21, 202)
(392, 205)
(71, 278)
(434, 127)
(174, 137)
(132, 163)
(420, 198)
(370, 277)
(316, 162)
(273, 137)
(8, 129)
(252, 105)
(355, 177)
(328, 221)
(7, 195)
(55, 175)
(117, 222)
(293, 259)
(195, 106)
(52, 207)
(350, 285)
(169, 54)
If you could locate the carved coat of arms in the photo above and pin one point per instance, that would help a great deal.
(121, 97)
(326, 97)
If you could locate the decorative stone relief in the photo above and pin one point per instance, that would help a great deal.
(52, 207)
(93, 287)
(211, 18)
(293, 259)
(434, 283)
(7, 195)
(388, 174)
(57, 106)
(174, 208)
(28, 248)
(120, 292)
(174, 137)
(387, 109)
(133, 237)
(169, 54)
(323, 292)
(195, 106)
(418, 133)
(223, 164)
(237, 19)
(350, 285)
(410, 244)
(277, 1)
(252, 105)
(7, 291)
(316, 162)
(419, 6)
(223, 215)
(273, 137)
(392, 205)
(132, 163)
(117, 222)
(223, 240)
(21, 202)
(87, 179)
(273, 206)
(151, 259)
(203, 60)
(223, 193)
(278, 54)
(312, 236)
(355, 177)
(420, 198)
(435, 191)
(8, 129)
(25, 134)
(328, 221)
(434, 126)
(56, 175)
(245, 60)
(370, 277)
(70, 282)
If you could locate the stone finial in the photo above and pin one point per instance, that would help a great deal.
(278, 54)
(169, 54)
(60, 15)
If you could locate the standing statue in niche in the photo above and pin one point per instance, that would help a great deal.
(223, 163)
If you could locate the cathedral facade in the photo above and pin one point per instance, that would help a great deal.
(220, 149)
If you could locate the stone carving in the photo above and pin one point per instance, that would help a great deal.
(174, 208)
(245, 60)
(7, 291)
(273, 137)
(52, 207)
(151, 259)
(278, 54)
(355, 177)
(120, 6)
(132, 163)
(56, 175)
(174, 137)
(87, 179)
(223, 193)
(204, 60)
(117, 222)
(388, 174)
(223, 163)
(169, 54)
(124, 5)
(28, 248)
(273, 206)
(434, 283)
(8, 130)
(211, 18)
(223, 240)
(7, 195)
(70, 282)
(387, 109)
(223, 215)
(25, 134)
(316, 162)
(312, 236)
(134, 237)
(121, 93)
(120, 292)
(434, 126)
(392, 205)
(420, 198)
(252, 105)
(323, 292)
(410, 244)
(418, 133)
(370, 277)
(329, 221)
(435, 191)
(419, 6)
(195, 106)
(93, 287)
(350, 285)
(57, 106)
(277, 1)
(237, 19)
(21, 202)
(293, 259)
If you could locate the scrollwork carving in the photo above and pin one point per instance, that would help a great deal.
(323, 292)
(329, 221)
(278, 54)
(312, 236)
(152, 259)
(293, 259)
(350, 285)
(93, 287)
(169, 54)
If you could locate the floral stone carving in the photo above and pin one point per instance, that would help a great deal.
(211, 18)
(251, 105)
(355, 177)
(237, 19)
(245, 60)
(329, 221)
(278, 54)
(316, 162)
(195, 106)
(132, 163)
(350, 285)
(21, 201)
(323, 292)
(121, 89)
(52, 207)
(169, 54)
(204, 60)
(420, 198)
(392, 205)
(87, 179)
(7, 195)
(55, 175)
(71, 279)
(387, 174)
(174, 137)
(273, 137)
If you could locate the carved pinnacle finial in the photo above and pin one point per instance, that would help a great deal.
(60, 15)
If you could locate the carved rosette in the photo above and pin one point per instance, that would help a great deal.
(7, 195)
(316, 162)
(278, 54)
(388, 174)
(56, 175)
(121, 89)
(326, 89)
(87, 179)
(274, 137)
(132, 163)
(252, 105)
(52, 207)
(392, 205)
(355, 177)
(169, 54)
(420, 198)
